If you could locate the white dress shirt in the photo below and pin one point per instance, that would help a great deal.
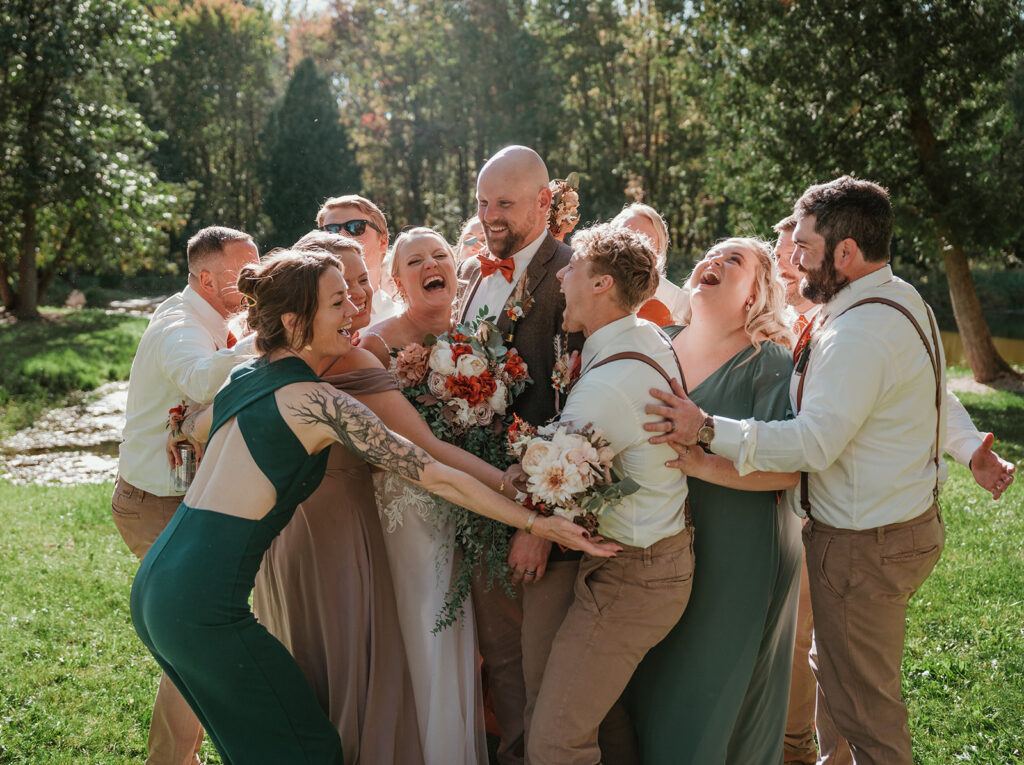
(182, 355)
(866, 430)
(494, 291)
(676, 299)
(612, 397)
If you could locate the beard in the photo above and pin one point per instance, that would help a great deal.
(514, 240)
(822, 284)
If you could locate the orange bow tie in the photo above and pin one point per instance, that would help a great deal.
(231, 339)
(489, 265)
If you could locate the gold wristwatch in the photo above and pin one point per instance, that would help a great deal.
(706, 433)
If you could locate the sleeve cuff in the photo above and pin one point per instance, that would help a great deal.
(728, 438)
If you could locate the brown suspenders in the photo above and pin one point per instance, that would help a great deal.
(932, 349)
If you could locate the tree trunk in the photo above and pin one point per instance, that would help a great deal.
(28, 284)
(982, 356)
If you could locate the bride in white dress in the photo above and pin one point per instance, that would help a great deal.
(417, 533)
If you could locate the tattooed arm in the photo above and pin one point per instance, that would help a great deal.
(349, 422)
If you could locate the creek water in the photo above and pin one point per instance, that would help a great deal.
(1011, 349)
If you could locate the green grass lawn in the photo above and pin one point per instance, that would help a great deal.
(49, 361)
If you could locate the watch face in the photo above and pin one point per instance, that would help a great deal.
(705, 434)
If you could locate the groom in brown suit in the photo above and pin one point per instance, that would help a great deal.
(520, 267)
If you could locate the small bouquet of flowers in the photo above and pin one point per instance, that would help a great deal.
(462, 383)
(568, 471)
(563, 215)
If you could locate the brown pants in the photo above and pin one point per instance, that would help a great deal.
(861, 582)
(175, 734)
(499, 629)
(621, 607)
(798, 746)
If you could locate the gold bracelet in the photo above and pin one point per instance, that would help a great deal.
(529, 522)
(501, 486)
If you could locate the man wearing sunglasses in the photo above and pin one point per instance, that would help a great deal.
(359, 218)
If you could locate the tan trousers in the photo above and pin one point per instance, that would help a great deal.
(499, 628)
(175, 734)
(861, 582)
(798, 746)
(621, 607)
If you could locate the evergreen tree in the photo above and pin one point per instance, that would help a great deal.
(308, 155)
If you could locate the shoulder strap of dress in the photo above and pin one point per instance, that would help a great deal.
(254, 383)
(931, 349)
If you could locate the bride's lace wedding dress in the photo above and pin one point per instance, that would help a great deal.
(444, 667)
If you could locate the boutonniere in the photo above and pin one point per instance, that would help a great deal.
(516, 307)
(175, 416)
(566, 370)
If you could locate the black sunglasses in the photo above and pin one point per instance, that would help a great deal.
(351, 227)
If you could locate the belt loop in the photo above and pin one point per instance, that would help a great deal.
(880, 531)
(648, 555)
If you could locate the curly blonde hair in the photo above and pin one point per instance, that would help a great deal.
(767, 317)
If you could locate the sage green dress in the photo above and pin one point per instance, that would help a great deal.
(716, 689)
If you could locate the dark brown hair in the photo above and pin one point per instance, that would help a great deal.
(849, 208)
(209, 243)
(626, 256)
(285, 281)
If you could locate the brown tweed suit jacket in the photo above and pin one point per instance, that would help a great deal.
(535, 333)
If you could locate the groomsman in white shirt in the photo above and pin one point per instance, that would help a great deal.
(185, 354)
(624, 605)
(872, 406)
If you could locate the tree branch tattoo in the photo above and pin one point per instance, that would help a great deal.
(361, 431)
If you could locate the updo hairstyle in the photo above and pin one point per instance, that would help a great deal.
(285, 281)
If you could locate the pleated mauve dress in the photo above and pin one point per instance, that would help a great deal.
(325, 591)
(190, 598)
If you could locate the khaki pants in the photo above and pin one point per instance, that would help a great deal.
(861, 582)
(798, 746)
(499, 628)
(175, 734)
(621, 608)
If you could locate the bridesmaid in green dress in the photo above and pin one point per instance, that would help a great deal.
(716, 690)
(268, 434)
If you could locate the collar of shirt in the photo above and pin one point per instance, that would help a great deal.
(215, 324)
(604, 340)
(854, 291)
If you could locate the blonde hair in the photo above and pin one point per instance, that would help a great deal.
(364, 205)
(460, 247)
(660, 228)
(624, 255)
(767, 317)
(403, 238)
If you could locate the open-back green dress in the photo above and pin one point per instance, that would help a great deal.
(190, 599)
(716, 689)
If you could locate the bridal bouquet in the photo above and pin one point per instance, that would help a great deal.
(568, 471)
(462, 383)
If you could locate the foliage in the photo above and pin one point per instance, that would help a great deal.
(75, 184)
(308, 155)
(211, 96)
(46, 362)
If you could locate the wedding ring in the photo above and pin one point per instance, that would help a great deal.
(686, 451)
(529, 573)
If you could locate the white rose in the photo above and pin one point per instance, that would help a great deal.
(464, 415)
(441, 358)
(498, 400)
(470, 365)
(537, 455)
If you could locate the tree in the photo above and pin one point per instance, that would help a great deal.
(211, 96)
(75, 185)
(308, 155)
(908, 94)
